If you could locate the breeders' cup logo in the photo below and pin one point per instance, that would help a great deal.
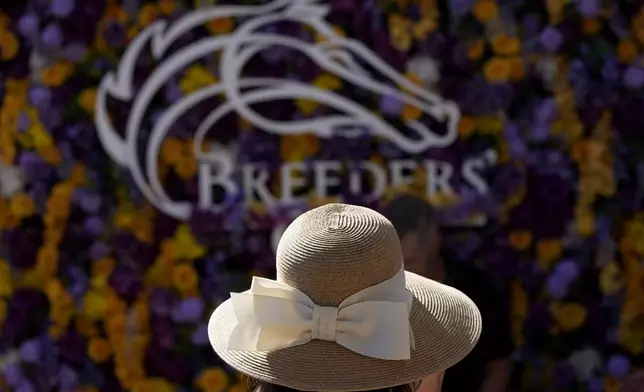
(336, 55)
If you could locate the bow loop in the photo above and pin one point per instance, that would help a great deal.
(373, 322)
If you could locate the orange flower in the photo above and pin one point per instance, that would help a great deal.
(172, 150)
(99, 350)
(85, 326)
(184, 277)
(486, 10)
(87, 99)
(9, 45)
(626, 51)
(116, 325)
(520, 240)
(57, 74)
(466, 126)
(187, 167)
(50, 154)
(548, 251)
(47, 261)
(505, 45)
(78, 175)
(221, 25)
(147, 15)
(476, 49)
(411, 112)
(212, 380)
(294, 148)
(517, 66)
(497, 70)
(400, 32)
(167, 7)
(22, 206)
(591, 25)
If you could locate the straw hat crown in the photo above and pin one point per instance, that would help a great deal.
(336, 250)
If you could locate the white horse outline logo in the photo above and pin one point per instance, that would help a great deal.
(334, 55)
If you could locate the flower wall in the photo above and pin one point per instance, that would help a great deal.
(99, 291)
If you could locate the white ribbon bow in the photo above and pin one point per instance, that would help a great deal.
(373, 322)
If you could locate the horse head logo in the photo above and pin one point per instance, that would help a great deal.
(347, 59)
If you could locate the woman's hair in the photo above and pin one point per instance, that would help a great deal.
(262, 386)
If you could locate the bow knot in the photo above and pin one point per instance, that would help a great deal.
(373, 322)
(324, 323)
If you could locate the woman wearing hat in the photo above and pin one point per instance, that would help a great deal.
(343, 314)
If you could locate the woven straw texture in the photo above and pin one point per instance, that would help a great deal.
(330, 253)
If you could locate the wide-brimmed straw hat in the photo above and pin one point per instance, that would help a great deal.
(343, 315)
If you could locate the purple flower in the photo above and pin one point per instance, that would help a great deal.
(25, 386)
(93, 225)
(90, 202)
(588, 8)
(551, 39)
(161, 302)
(28, 24)
(68, 378)
(391, 105)
(13, 374)
(98, 250)
(618, 366)
(567, 270)
(75, 52)
(30, 351)
(556, 286)
(39, 96)
(634, 77)
(61, 8)
(126, 281)
(72, 348)
(163, 332)
(200, 335)
(188, 310)
(52, 36)
(595, 384)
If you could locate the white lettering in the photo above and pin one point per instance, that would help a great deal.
(215, 169)
(470, 173)
(402, 172)
(438, 174)
(326, 176)
(291, 178)
(379, 181)
(255, 179)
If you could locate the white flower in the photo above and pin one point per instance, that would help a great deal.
(11, 180)
(547, 68)
(585, 362)
(426, 68)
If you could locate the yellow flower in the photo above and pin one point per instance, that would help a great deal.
(187, 167)
(3, 311)
(77, 176)
(400, 32)
(591, 25)
(585, 223)
(411, 112)
(611, 279)
(520, 239)
(153, 385)
(116, 325)
(47, 262)
(294, 148)
(124, 217)
(497, 70)
(87, 99)
(85, 326)
(489, 124)
(94, 305)
(167, 7)
(631, 338)
(57, 74)
(196, 78)
(184, 277)
(99, 350)
(505, 45)
(22, 206)
(221, 25)
(517, 66)
(306, 106)
(569, 316)
(9, 45)
(6, 284)
(103, 267)
(486, 10)
(238, 388)
(327, 82)
(548, 250)
(130, 376)
(185, 246)
(212, 380)
(423, 28)
(50, 154)
(148, 14)
(39, 135)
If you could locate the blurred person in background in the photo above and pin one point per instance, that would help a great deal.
(488, 368)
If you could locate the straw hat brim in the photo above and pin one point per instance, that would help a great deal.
(446, 325)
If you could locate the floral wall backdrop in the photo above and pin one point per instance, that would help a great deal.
(99, 291)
